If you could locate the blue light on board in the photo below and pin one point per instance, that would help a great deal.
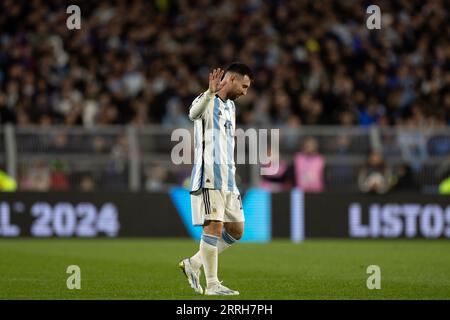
(257, 211)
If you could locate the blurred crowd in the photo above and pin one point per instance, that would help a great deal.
(307, 172)
(141, 62)
(144, 61)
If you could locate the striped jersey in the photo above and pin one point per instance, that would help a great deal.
(214, 132)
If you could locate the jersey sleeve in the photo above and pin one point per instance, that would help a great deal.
(199, 105)
(234, 118)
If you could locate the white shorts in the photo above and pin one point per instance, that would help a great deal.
(212, 204)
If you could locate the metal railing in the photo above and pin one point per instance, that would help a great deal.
(138, 158)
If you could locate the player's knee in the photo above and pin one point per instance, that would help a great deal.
(236, 233)
(213, 227)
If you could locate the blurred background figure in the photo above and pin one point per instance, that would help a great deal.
(123, 68)
(116, 172)
(278, 177)
(7, 183)
(444, 186)
(87, 183)
(443, 175)
(156, 176)
(59, 176)
(403, 180)
(175, 115)
(412, 143)
(36, 177)
(376, 176)
(309, 167)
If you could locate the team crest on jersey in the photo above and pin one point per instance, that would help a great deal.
(228, 124)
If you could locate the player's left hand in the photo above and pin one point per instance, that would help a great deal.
(215, 82)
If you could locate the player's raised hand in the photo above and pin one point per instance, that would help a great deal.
(215, 82)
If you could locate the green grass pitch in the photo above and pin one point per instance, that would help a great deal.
(148, 269)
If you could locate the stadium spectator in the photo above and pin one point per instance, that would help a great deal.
(87, 183)
(412, 143)
(156, 175)
(444, 185)
(376, 176)
(35, 177)
(7, 183)
(309, 167)
(315, 70)
(404, 181)
(7, 114)
(175, 115)
(116, 172)
(59, 176)
(342, 172)
(289, 134)
(124, 67)
(278, 174)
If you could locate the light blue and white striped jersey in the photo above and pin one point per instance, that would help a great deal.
(214, 132)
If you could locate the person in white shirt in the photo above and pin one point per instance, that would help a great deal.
(215, 199)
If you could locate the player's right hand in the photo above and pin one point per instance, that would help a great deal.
(215, 82)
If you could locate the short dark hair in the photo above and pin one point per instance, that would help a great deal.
(241, 69)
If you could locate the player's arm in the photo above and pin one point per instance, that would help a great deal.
(200, 104)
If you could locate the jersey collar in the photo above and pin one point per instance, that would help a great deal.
(221, 99)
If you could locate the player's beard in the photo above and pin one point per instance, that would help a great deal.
(233, 96)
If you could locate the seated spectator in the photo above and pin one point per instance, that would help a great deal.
(375, 177)
(309, 168)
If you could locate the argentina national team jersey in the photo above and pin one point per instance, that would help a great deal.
(214, 131)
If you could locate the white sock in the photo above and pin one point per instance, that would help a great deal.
(208, 249)
(223, 243)
(196, 260)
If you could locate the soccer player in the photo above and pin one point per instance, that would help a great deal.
(215, 199)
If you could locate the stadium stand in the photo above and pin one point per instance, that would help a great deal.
(95, 107)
